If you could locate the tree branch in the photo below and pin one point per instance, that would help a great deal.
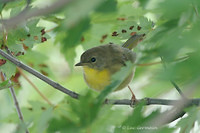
(173, 114)
(12, 91)
(152, 101)
(23, 16)
(38, 75)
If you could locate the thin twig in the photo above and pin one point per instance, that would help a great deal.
(172, 82)
(196, 10)
(38, 75)
(33, 85)
(159, 62)
(49, 30)
(12, 91)
(177, 88)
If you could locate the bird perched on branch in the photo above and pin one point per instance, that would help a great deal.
(100, 63)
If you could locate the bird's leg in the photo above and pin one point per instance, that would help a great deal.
(133, 98)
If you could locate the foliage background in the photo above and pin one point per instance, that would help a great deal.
(172, 31)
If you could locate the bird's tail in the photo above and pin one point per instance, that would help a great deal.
(133, 41)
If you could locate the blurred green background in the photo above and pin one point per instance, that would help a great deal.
(171, 28)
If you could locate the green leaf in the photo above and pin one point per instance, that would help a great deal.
(107, 119)
(126, 9)
(173, 9)
(1, 6)
(138, 123)
(73, 17)
(37, 60)
(15, 11)
(21, 127)
(89, 110)
(62, 125)
(107, 6)
(14, 37)
(44, 119)
(34, 36)
(71, 39)
(143, 26)
(32, 56)
(116, 80)
(13, 4)
(5, 84)
(9, 69)
(78, 116)
(156, 86)
(37, 113)
(33, 28)
(28, 35)
(95, 34)
(70, 54)
(53, 18)
(187, 124)
(75, 33)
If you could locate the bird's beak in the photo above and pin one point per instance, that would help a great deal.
(79, 64)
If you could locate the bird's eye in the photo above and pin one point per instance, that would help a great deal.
(93, 59)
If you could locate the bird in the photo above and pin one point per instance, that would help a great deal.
(102, 62)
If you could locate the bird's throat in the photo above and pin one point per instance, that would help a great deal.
(96, 79)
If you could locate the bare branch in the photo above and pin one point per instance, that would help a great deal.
(24, 15)
(38, 75)
(12, 91)
(152, 101)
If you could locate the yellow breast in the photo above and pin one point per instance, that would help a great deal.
(96, 79)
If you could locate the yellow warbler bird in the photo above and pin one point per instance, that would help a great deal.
(100, 63)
